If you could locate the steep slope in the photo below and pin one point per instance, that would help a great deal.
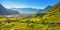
(4, 11)
(44, 10)
(53, 14)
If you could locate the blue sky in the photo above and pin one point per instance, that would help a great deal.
(40, 4)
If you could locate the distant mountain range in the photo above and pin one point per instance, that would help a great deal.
(26, 10)
(4, 11)
(31, 10)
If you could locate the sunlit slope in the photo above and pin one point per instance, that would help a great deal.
(53, 13)
(53, 16)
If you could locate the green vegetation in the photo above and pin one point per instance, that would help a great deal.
(41, 21)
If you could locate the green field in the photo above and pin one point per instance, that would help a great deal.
(39, 21)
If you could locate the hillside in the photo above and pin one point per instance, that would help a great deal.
(53, 13)
(4, 11)
(44, 10)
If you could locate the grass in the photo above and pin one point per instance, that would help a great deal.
(24, 26)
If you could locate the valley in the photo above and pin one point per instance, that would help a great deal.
(46, 19)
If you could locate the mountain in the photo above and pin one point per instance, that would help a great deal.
(44, 10)
(31, 10)
(4, 11)
(53, 14)
(26, 10)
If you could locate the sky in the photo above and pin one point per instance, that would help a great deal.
(39, 4)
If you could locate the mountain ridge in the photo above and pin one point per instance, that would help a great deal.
(31, 10)
(4, 11)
